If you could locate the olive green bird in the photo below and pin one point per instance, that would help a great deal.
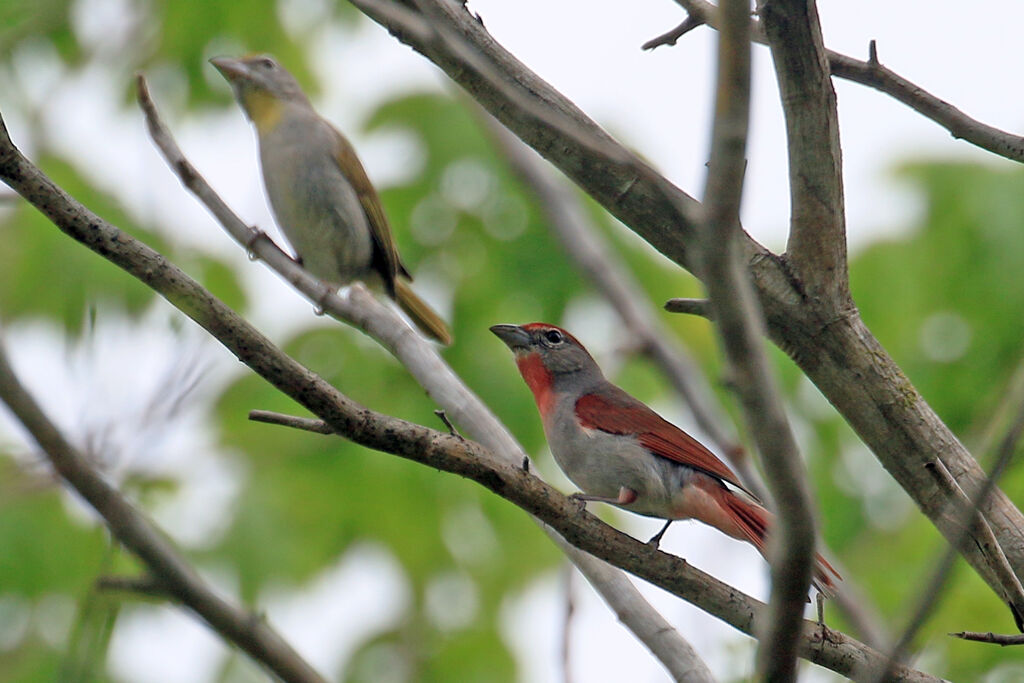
(320, 194)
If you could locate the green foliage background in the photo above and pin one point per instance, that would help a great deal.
(946, 299)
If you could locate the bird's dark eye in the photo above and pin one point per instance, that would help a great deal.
(266, 63)
(554, 337)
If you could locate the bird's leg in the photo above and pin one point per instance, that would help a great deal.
(820, 599)
(656, 538)
(626, 496)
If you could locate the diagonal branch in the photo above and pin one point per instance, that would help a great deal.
(246, 630)
(873, 74)
(817, 226)
(360, 309)
(429, 447)
(834, 348)
(970, 520)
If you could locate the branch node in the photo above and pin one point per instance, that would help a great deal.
(250, 244)
(873, 54)
(671, 37)
(699, 307)
(443, 416)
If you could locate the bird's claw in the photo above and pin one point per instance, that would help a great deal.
(655, 540)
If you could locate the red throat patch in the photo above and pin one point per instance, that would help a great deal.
(538, 378)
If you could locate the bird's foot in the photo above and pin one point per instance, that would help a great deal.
(625, 497)
(826, 632)
(655, 540)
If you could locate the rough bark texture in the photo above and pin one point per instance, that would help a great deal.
(833, 347)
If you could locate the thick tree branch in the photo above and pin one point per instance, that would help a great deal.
(970, 521)
(434, 449)
(740, 327)
(180, 581)
(817, 225)
(835, 349)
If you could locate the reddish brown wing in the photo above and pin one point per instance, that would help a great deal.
(616, 412)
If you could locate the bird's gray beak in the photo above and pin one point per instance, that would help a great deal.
(231, 69)
(514, 336)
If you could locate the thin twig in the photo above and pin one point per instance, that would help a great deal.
(670, 37)
(989, 637)
(137, 534)
(307, 424)
(698, 307)
(874, 75)
(443, 416)
(961, 126)
(147, 586)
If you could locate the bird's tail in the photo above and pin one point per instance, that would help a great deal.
(753, 522)
(429, 322)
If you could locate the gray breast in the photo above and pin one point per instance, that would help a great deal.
(314, 205)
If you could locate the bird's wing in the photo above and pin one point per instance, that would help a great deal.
(617, 412)
(385, 252)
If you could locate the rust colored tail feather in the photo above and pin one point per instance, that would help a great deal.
(755, 521)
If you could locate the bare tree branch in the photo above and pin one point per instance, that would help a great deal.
(740, 328)
(434, 449)
(873, 74)
(989, 637)
(698, 307)
(961, 126)
(970, 520)
(835, 349)
(817, 225)
(362, 310)
(567, 220)
(248, 631)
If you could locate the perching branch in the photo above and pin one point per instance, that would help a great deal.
(583, 245)
(362, 310)
(835, 349)
(248, 631)
(429, 447)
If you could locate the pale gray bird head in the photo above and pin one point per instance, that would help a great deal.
(261, 86)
